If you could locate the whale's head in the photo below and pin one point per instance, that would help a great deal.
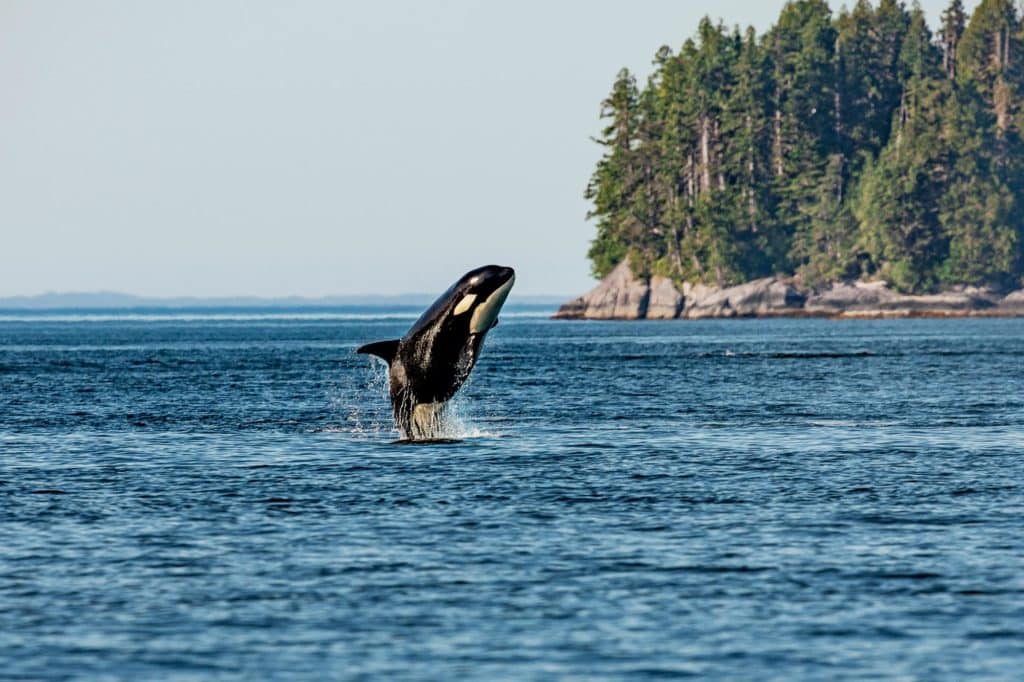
(469, 307)
(479, 295)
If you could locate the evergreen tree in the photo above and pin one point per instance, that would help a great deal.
(869, 43)
(982, 216)
(801, 47)
(898, 207)
(615, 179)
(746, 126)
(954, 20)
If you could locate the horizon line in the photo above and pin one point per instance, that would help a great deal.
(108, 299)
(125, 294)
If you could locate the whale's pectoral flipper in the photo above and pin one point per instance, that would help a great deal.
(385, 350)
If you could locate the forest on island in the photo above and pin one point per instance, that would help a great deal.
(857, 144)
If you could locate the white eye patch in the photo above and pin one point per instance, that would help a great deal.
(465, 304)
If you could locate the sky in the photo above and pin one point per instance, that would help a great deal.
(312, 148)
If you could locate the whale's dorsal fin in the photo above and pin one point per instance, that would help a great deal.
(385, 350)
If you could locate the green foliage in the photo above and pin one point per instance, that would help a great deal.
(831, 147)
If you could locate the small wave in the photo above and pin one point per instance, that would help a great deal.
(852, 423)
(797, 355)
(357, 430)
(788, 355)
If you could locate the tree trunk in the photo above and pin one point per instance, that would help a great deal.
(705, 155)
(691, 190)
(716, 136)
(1001, 101)
(777, 143)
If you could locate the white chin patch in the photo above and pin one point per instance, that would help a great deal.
(465, 304)
(485, 313)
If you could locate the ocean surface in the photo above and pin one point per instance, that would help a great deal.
(219, 496)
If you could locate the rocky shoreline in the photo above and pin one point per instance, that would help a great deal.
(623, 296)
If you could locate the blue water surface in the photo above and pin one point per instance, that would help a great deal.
(218, 496)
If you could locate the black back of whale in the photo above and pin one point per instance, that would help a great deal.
(435, 357)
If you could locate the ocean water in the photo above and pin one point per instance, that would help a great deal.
(219, 496)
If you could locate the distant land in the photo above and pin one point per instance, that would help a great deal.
(112, 300)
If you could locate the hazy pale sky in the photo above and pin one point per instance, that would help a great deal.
(310, 148)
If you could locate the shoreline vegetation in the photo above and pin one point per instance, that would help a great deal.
(850, 164)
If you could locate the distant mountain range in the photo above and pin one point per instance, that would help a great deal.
(112, 300)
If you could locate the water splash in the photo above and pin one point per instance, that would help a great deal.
(458, 424)
(445, 421)
(366, 403)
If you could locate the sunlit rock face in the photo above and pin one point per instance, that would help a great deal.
(876, 299)
(666, 301)
(1013, 303)
(619, 296)
(763, 297)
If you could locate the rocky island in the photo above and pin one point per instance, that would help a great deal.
(842, 164)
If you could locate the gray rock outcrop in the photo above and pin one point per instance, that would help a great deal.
(619, 296)
(623, 296)
(1013, 303)
(874, 299)
(666, 301)
(843, 296)
(763, 297)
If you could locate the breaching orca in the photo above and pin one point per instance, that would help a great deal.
(431, 362)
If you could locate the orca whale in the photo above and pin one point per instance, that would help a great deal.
(431, 362)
